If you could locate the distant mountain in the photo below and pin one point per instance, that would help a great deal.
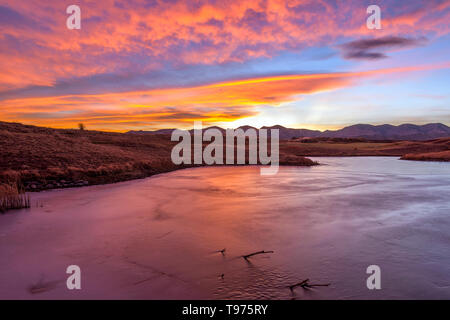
(288, 133)
(160, 131)
(367, 131)
(390, 132)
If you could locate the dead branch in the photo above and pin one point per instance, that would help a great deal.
(317, 285)
(300, 284)
(306, 285)
(255, 253)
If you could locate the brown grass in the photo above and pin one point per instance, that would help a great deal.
(43, 157)
(349, 147)
(13, 197)
(430, 156)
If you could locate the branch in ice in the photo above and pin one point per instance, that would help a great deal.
(300, 284)
(306, 285)
(255, 253)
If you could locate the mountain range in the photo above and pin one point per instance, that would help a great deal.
(367, 131)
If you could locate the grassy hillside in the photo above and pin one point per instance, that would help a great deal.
(40, 156)
(361, 147)
(44, 158)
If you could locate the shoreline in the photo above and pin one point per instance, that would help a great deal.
(233, 165)
(314, 163)
(85, 183)
(443, 156)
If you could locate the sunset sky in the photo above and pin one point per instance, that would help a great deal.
(148, 64)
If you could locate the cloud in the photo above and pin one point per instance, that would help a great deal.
(10, 17)
(120, 36)
(179, 106)
(373, 49)
(135, 55)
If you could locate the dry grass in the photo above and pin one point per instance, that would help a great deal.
(430, 156)
(12, 196)
(340, 147)
(44, 156)
(36, 154)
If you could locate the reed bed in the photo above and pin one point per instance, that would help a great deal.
(13, 196)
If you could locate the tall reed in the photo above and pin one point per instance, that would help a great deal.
(13, 196)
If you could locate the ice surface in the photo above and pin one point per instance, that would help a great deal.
(157, 238)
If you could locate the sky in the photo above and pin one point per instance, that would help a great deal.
(151, 64)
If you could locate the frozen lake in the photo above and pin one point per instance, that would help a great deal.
(157, 238)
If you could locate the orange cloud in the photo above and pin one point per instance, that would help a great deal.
(132, 36)
(218, 102)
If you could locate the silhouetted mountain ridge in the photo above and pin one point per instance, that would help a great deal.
(405, 131)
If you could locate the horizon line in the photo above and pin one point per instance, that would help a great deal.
(216, 126)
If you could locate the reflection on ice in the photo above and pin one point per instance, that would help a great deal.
(161, 237)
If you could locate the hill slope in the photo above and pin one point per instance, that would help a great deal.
(44, 158)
